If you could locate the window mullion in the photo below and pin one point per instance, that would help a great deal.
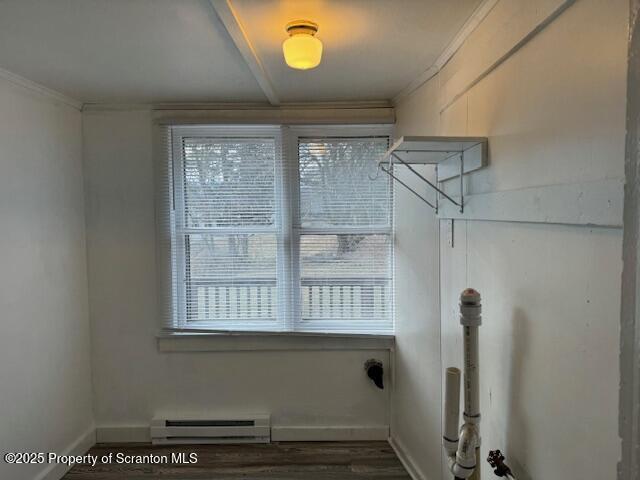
(291, 288)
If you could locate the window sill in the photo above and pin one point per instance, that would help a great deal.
(235, 342)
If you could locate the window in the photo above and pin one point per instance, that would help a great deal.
(279, 229)
(344, 234)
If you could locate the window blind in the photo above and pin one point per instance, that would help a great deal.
(227, 229)
(252, 239)
(345, 235)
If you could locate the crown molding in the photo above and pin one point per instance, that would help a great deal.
(40, 89)
(478, 15)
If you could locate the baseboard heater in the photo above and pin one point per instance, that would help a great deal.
(249, 429)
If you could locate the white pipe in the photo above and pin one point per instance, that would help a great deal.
(470, 319)
(463, 459)
(466, 461)
(451, 410)
(471, 375)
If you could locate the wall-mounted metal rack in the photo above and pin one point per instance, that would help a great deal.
(452, 156)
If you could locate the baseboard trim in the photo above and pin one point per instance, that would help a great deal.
(329, 434)
(406, 460)
(79, 446)
(141, 433)
(124, 434)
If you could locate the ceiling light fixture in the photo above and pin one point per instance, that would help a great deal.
(302, 50)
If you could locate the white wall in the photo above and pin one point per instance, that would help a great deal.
(415, 421)
(554, 113)
(133, 381)
(45, 372)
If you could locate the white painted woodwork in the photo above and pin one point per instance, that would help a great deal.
(595, 203)
(339, 115)
(629, 420)
(79, 446)
(478, 15)
(339, 433)
(559, 141)
(233, 24)
(553, 110)
(271, 342)
(40, 89)
(508, 23)
(551, 301)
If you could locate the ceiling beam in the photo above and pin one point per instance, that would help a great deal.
(229, 18)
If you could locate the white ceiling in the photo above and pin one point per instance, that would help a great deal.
(144, 51)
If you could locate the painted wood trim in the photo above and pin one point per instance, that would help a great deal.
(407, 461)
(177, 343)
(329, 433)
(469, 26)
(598, 203)
(475, 158)
(472, 23)
(277, 116)
(40, 89)
(124, 434)
(231, 21)
(343, 105)
(629, 394)
(509, 53)
(141, 433)
(80, 446)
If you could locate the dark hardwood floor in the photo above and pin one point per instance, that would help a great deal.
(279, 460)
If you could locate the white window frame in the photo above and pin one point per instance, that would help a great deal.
(295, 134)
(286, 228)
(179, 230)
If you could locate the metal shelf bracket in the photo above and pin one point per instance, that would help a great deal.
(470, 152)
(429, 183)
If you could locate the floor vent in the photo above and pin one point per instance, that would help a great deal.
(251, 429)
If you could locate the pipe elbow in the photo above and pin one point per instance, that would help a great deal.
(464, 462)
(457, 470)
